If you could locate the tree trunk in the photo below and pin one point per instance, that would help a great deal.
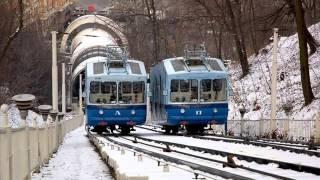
(237, 38)
(313, 44)
(253, 28)
(304, 65)
(153, 18)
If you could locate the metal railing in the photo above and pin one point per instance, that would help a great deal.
(296, 130)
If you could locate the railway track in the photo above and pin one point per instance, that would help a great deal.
(296, 148)
(248, 158)
(173, 156)
(205, 169)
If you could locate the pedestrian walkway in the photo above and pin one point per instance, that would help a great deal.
(76, 159)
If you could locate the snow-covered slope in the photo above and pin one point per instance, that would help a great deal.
(254, 90)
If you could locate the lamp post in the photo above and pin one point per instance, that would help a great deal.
(69, 75)
(80, 92)
(63, 89)
(274, 80)
(54, 72)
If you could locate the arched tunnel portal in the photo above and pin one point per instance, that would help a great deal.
(86, 40)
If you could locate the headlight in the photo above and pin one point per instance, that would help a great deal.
(133, 112)
(100, 111)
(215, 110)
(182, 111)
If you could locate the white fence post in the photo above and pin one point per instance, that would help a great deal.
(28, 153)
(261, 123)
(317, 133)
(4, 121)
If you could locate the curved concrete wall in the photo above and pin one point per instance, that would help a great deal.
(108, 23)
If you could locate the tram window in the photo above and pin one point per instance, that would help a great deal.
(126, 87)
(105, 87)
(217, 84)
(215, 93)
(125, 90)
(138, 87)
(184, 85)
(174, 85)
(206, 85)
(194, 90)
(94, 87)
(138, 92)
(188, 90)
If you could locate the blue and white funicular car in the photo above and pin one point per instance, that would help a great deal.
(191, 91)
(115, 92)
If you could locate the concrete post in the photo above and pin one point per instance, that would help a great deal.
(80, 92)
(54, 72)
(242, 112)
(273, 125)
(4, 121)
(63, 89)
(261, 125)
(317, 133)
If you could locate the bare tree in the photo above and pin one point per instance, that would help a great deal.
(233, 26)
(313, 44)
(16, 31)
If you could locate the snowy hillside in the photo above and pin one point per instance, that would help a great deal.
(254, 90)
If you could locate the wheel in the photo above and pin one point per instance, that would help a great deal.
(192, 129)
(167, 129)
(125, 130)
(99, 129)
(201, 130)
(175, 129)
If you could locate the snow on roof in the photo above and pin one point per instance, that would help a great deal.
(179, 65)
(132, 67)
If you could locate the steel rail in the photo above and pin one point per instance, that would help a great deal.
(212, 160)
(282, 164)
(206, 169)
(283, 147)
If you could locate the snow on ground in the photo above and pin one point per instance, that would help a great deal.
(76, 159)
(253, 91)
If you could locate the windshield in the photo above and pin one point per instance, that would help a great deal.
(213, 90)
(103, 92)
(106, 92)
(184, 90)
(131, 92)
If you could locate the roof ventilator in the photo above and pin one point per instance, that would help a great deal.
(117, 57)
(194, 53)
